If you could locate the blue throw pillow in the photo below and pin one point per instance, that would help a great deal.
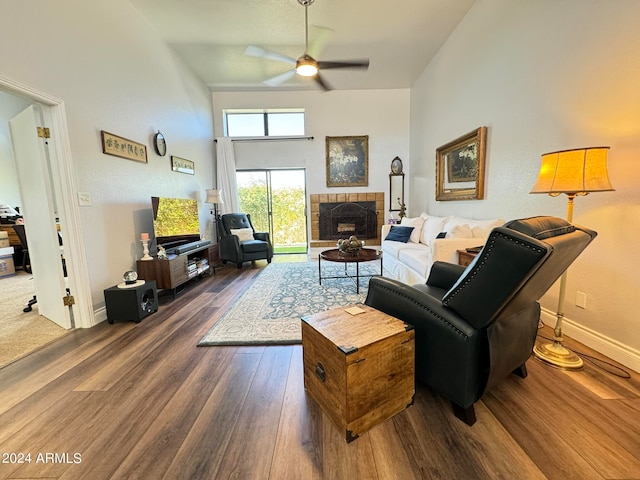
(399, 234)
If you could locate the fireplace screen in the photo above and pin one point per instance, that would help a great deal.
(341, 220)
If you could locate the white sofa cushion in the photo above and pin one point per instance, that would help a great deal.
(431, 227)
(460, 231)
(393, 249)
(483, 227)
(483, 232)
(416, 223)
(418, 260)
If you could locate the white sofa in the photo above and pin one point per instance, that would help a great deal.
(411, 262)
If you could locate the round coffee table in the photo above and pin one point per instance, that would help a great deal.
(363, 255)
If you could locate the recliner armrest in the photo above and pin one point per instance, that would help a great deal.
(230, 248)
(444, 275)
(264, 236)
(411, 305)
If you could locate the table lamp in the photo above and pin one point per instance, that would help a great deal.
(574, 172)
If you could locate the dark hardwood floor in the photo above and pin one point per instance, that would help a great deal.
(141, 401)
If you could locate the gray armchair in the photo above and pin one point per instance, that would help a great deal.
(233, 249)
(476, 325)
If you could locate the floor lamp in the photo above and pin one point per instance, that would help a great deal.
(575, 173)
(214, 197)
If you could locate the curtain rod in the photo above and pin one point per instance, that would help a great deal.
(266, 139)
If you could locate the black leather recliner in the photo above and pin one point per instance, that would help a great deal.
(476, 325)
(233, 250)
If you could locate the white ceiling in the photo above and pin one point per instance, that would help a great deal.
(398, 36)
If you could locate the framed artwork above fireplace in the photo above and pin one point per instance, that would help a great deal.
(347, 161)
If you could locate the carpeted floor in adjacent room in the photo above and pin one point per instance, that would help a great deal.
(20, 332)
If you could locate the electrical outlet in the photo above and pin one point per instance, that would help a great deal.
(581, 299)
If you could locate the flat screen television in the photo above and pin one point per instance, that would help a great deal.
(175, 221)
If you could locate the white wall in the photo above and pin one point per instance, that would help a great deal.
(113, 73)
(545, 75)
(383, 115)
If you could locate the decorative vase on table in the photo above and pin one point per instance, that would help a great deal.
(350, 246)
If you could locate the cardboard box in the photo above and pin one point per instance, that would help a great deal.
(359, 367)
(4, 239)
(6, 266)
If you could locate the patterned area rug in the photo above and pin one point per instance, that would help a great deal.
(269, 312)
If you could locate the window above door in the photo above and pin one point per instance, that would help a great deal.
(264, 122)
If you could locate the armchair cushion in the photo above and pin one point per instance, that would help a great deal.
(255, 246)
(243, 234)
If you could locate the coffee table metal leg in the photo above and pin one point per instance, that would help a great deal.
(357, 276)
(319, 270)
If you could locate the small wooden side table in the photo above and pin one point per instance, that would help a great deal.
(358, 366)
(465, 258)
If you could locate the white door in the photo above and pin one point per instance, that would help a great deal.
(38, 211)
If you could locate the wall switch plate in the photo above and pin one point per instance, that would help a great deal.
(581, 299)
(84, 199)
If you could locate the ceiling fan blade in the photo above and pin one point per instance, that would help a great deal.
(279, 79)
(254, 51)
(325, 86)
(319, 40)
(362, 64)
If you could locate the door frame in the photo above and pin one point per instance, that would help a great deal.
(269, 199)
(64, 188)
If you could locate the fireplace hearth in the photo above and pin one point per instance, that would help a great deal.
(339, 220)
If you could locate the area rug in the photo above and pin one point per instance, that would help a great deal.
(269, 312)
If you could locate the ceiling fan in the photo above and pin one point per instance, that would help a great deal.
(305, 65)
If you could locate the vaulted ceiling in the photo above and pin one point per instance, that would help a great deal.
(398, 36)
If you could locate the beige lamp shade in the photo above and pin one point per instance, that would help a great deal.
(214, 197)
(577, 171)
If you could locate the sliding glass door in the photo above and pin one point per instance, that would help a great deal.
(276, 200)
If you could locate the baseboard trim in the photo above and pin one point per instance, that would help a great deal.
(627, 356)
(100, 315)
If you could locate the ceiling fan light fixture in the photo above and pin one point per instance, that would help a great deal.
(306, 66)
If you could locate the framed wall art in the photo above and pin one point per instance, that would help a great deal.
(347, 161)
(460, 167)
(182, 165)
(123, 148)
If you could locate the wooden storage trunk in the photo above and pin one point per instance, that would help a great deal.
(359, 368)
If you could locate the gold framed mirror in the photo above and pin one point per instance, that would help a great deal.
(396, 191)
(460, 167)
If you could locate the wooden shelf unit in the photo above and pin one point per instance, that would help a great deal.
(175, 270)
